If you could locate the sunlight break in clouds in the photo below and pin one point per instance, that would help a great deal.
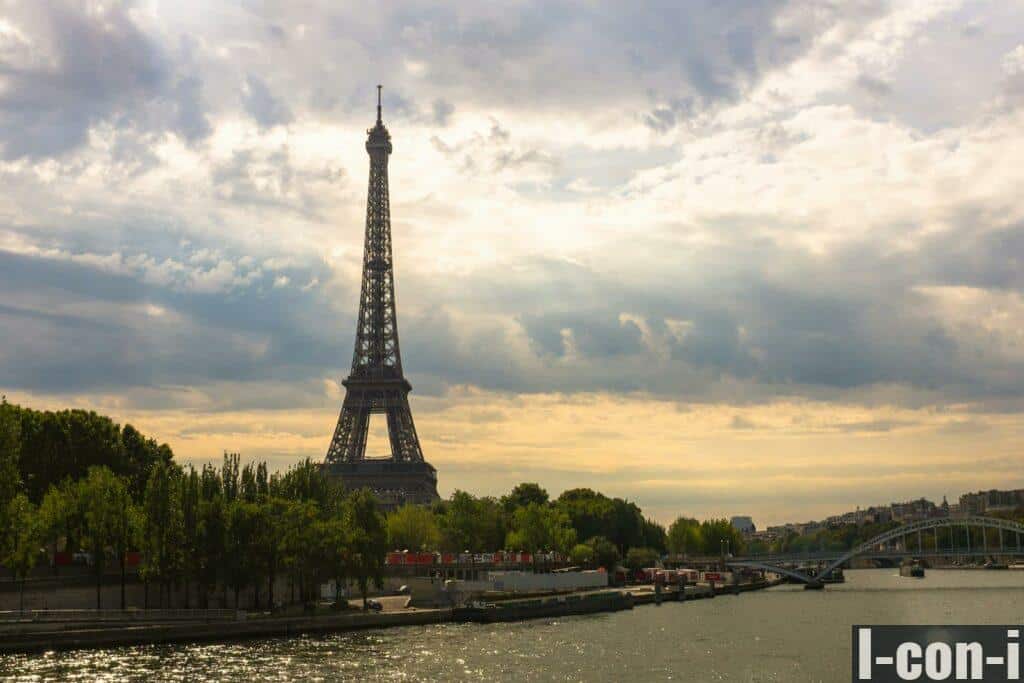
(756, 258)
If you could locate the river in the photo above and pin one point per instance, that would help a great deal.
(781, 634)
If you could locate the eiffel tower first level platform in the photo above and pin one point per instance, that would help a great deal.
(376, 384)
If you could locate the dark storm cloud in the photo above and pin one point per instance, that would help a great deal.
(865, 325)
(115, 331)
(987, 259)
(714, 342)
(81, 66)
(597, 336)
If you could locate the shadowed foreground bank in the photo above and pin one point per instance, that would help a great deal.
(55, 631)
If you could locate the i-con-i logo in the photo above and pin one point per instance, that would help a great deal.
(936, 653)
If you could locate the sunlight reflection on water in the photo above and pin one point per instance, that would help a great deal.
(785, 634)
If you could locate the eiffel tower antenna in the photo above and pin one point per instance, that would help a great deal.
(376, 383)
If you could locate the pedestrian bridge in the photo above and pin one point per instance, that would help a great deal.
(898, 543)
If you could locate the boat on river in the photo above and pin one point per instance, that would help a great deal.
(551, 606)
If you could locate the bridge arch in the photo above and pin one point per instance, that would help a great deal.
(892, 534)
(775, 569)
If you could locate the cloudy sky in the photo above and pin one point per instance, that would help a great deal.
(720, 257)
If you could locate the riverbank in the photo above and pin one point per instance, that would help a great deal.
(783, 634)
(64, 636)
(40, 632)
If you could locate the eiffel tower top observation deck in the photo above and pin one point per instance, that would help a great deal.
(376, 383)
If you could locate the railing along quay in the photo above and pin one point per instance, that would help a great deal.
(117, 615)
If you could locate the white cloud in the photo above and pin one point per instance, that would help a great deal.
(662, 183)
(1013, 62)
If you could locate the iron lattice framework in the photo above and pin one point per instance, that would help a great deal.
(376, 383)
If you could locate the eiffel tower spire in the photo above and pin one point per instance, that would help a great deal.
(376, 353)
(376, 383)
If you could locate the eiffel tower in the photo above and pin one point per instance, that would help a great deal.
(376, 383)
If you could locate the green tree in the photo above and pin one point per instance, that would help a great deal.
(303, 553)
(162, 532)
(639, 558)
(540, 527)
(306, 555)
(248, 488)
(141, 453)
(241, 543)
(652, 534)
(368, 540)
(66, 444)
(684, 536)
(714, 531)
(304, 481)
(57, 514)
(582, 554)
(229, 476)
(522, 495)
(413, 527)
(460, 524)
(10, 453)
(123, 528)
(262, 481)
(594, 514)
(191, 557)
(107, 509)
(336, 550)
(211, 545)
(210, 484)
(591, 513)
(470, 523)
(605, 553)
(21, 540)
(270, 542)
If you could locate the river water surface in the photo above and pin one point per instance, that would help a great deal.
(781, 634)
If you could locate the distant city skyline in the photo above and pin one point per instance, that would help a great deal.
(981, 502)
(756, 258)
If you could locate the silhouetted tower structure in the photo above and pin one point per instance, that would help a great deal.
(376, 383)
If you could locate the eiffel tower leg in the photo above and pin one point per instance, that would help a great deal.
(405, 445)
(349, 441)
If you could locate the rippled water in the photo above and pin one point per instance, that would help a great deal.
(783, 634)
